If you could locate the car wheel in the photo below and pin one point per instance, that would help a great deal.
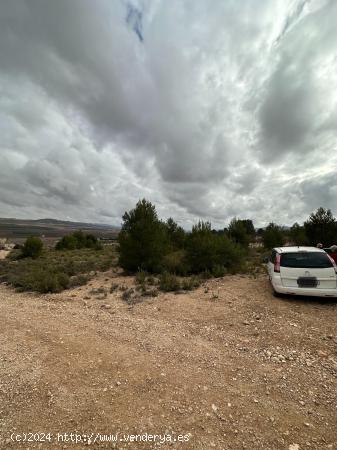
(276, 294)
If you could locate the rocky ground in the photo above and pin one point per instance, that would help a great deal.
(227, 366)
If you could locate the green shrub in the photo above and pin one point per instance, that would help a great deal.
(143, 239)
(237, 231)
(206, 250)
(147, 244)
(273, 236)
(176, 234)
(169, 282)
(188, 284)
(43, 280)
(32, 248)
(78, 280)
(141, 277)
(175, 262)
(297, 234)
(67, 243)
(321, 227)
(78, 240)
(219, 271)
(54, 271)
(205, 275)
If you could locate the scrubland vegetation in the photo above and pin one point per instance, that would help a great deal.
(160, 253)
(54, 270)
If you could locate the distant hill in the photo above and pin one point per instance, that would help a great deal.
(20, 228)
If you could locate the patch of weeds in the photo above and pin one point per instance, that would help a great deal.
(54, 271)
(151, 280)
(215, 296)
(78, 280)
(150, 293)
(188, 284)
(99, 291)
(169, 282)
(114, 287)
(219, 271)
(129, 298)
(205, 275)
(141, 277)
(153, 293)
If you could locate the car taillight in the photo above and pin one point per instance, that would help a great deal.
(333, 263)
(277, 263)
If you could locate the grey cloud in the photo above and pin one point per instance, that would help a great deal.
(321, 189)
(292, 112)
(203, 110)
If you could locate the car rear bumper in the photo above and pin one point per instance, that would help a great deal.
(310, 292)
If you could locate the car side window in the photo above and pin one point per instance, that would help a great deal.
(273, 256)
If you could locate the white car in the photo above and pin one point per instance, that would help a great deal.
(306, 271)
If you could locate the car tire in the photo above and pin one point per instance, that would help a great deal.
(276, 294)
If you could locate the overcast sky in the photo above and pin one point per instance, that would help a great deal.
(210, 109)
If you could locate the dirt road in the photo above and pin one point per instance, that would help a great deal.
(226, 367)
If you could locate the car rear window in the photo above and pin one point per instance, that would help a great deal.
(314, 260)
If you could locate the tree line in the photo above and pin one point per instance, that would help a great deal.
(150, 244)
(319, 228)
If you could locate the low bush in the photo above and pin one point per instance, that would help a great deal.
(54, 271)
(78, 280)
(78, 240)
(32, 248)
(219, 271)
(188, 284)
(148, 244)
(141, 277)
(207, 251)
(169, 282)
(113, 287)
(273, 236)
(175, 262)
(143, 239)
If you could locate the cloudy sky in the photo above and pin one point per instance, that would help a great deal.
(210, 109)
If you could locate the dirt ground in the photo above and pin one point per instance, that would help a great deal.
(227, 366)
(3, 254)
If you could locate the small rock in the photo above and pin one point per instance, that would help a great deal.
(118, 383)
(294, 447)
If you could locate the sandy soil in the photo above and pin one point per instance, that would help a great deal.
(3, 254)
(227, 366)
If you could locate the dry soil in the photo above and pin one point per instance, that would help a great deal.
(227, 366)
